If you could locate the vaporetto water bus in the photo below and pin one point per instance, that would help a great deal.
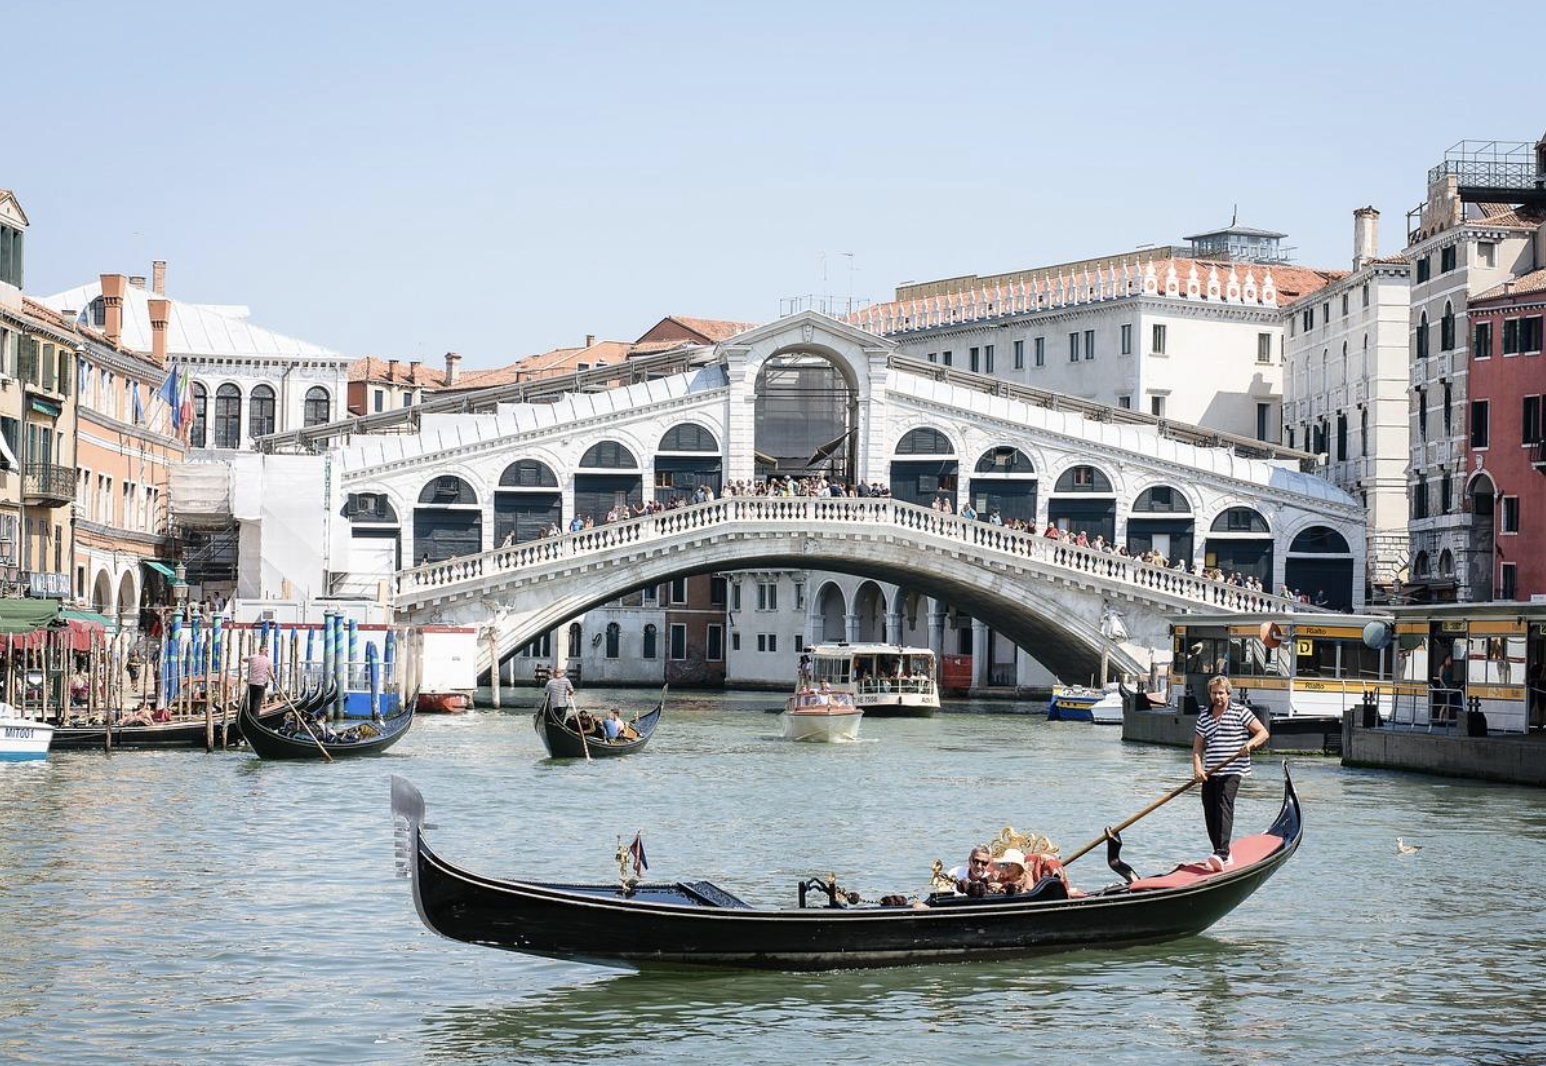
(885, 680)
(1298, 671)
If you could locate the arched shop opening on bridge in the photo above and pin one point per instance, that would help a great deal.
(924, 468)
(1083, 501)
(807, 412)
(1320, 564)
(527, 501)
(1240, 542)
(688, 458)
(448, 520)
(608, 479)
(831, 613)
(1161, 520)
(375, 534)
(1004, 481)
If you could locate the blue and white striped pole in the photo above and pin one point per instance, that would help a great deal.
(373, 668)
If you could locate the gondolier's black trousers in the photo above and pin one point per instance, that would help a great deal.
(255, 694)
(1218, 810)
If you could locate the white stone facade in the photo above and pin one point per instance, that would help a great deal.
(1345, 397)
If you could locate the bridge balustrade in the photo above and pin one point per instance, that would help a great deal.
(813, 513)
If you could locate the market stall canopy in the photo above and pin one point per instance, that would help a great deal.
(19, 616)
(161, 568)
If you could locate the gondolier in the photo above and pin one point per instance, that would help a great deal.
(1223, 728)
(260, 671)
(559, 692)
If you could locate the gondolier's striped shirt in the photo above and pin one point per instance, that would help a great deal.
(1224, 736)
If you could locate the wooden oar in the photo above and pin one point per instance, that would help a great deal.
(579, 727)
(301, 715)
(1156, 805)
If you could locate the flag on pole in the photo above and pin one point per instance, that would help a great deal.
(168, 392)
(636, 849)
(185, 401)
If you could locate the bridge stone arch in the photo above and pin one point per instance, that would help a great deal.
(829, 609)
(869, 613)
(860, 359)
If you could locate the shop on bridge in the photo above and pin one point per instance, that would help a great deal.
(1160, 520)
(448, 520)
(1320, 564)
(526, 502)
(1083, 501)
(688, 458)
(925, 468)
(1240, 542)
(1005, 481)
(375, 534)
(609, 478)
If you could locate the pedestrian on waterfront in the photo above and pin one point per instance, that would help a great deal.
(1224, 727)
(260, 671)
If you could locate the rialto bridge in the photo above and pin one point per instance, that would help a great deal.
(452, 517)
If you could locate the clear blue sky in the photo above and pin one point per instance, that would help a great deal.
(403, 179)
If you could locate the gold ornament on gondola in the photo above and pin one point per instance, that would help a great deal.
(1030, 844)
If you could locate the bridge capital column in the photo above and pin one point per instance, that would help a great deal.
(852, 622)
(937, 633)
(894, 625)
(981, 652)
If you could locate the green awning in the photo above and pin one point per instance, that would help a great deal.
(19, 616)
(161, 568)
(89, 616)
(44, 407)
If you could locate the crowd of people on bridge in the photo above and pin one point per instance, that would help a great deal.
(818, 485)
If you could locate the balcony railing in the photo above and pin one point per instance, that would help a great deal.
(48, 483)
(1446, 366)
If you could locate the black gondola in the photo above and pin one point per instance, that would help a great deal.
(563, 740)
(270, 743)
(697, 923)
(182, 733)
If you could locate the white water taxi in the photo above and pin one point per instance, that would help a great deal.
(22, 739)
(824, 717)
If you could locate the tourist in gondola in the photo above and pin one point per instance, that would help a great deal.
(1226, 726)
(613, 724)
(972, 879)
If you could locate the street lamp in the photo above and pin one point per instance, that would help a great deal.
(180, 585)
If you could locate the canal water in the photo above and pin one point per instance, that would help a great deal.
(185, 908)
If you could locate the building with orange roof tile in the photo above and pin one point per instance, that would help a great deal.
(685, 330)
(377, 385)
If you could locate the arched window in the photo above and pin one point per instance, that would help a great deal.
(260, 411)
(1422, 335)
(1447, 329)
(528, 474)
(924, 441)
(370, 508)
(1320, 540)
(448, 490)
(1241, 520)
(1005, 461)
(199, 434)
(650, 636)
(609, 455)
(575, 646)
(228, 417)
(1365, 355)
(1083, 479)
(319, 407)
(1161, 499)
(1344, 364)
(614, 639)
(688, 438)
(1446, 563)
(1420, 566)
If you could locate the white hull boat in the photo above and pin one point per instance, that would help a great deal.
(1108, 709)
(23, 739)
(821, 718)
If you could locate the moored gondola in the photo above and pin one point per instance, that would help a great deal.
(183, 732)
(563, 740)
(696, 923)
(365, 737)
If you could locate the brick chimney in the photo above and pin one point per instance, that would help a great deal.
(391, 369)
(413, 371)
(1366, 236)
(112, 306)
(158, 277)
(160, 313)
(453, 368)
(590, 340)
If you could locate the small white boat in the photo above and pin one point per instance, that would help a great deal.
(821, 717)
(1108, 709)
(22, 739)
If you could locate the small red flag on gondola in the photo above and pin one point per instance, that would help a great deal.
(636, 849)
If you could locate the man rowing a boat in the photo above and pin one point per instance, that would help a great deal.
(559, 692)
(1224, 727)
